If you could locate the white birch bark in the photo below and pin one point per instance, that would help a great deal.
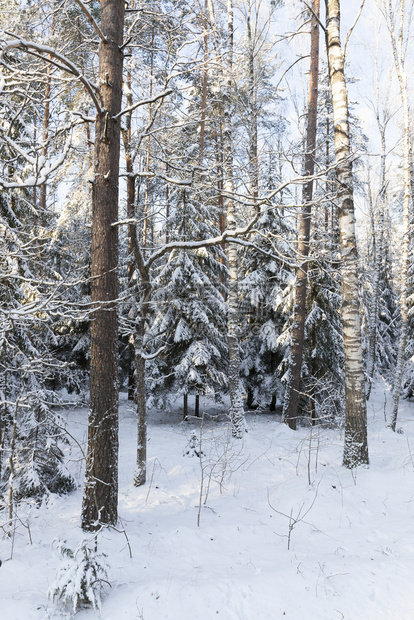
(378, 240)
(236, 401)
(356, 443)
(397, 43)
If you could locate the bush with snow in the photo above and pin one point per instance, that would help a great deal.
(81, 577)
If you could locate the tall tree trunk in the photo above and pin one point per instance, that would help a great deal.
(100, 497)
(378, 238)
(291, 407)
(130, 204)
(252, 108)
(148, 153)
(356, 442)
(140, 475)
(204, 89)
(46, 121)
(398, 53)
(145, 292)
(236, 401)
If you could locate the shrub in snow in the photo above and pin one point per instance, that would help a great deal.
(35, 461)
(193, 448)
(80, 578)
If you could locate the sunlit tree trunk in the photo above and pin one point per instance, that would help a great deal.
(144, 290)
(100, 497)
(356, 442)
(140, 475)
(46, 120)
(148, 153)
(378, 239)
(291, 406)
(252, 128)
(398, 53)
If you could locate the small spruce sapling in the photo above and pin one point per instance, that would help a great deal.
(80, 578)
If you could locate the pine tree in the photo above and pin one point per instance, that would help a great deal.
(190, 311)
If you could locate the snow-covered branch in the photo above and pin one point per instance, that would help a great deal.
(44, 51)
(92, 21)
(43, 170)
(144, 102)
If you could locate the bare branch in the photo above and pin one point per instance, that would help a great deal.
(91, 19)
(143, 102)
(353, 26)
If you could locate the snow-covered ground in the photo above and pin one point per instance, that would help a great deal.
(284, 530)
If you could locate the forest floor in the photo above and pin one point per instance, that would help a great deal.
(265, 528)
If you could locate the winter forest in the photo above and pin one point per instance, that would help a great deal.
(206, 302)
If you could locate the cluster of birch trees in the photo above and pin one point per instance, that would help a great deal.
(164, 227)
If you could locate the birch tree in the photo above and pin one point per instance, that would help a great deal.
(398, 44)
(377, 213)
(356, 441)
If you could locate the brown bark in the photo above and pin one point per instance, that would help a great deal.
(290, 413)
(101, 479)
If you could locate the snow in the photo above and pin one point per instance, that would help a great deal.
(350, 533)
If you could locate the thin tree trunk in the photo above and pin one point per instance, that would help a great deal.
(197, 406)
(148, 154)
(236, 401)
(356, 442)
(145, 292)
(378, 238)
(140, 475)
(34, 195)
(397, 47)
(252, 107)
(100, 497)
(204, 92)
(130, 204)
(46, 120)
(185, 406)
(328, 218)
(291, 407)
(3, 418)
(167, 206)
